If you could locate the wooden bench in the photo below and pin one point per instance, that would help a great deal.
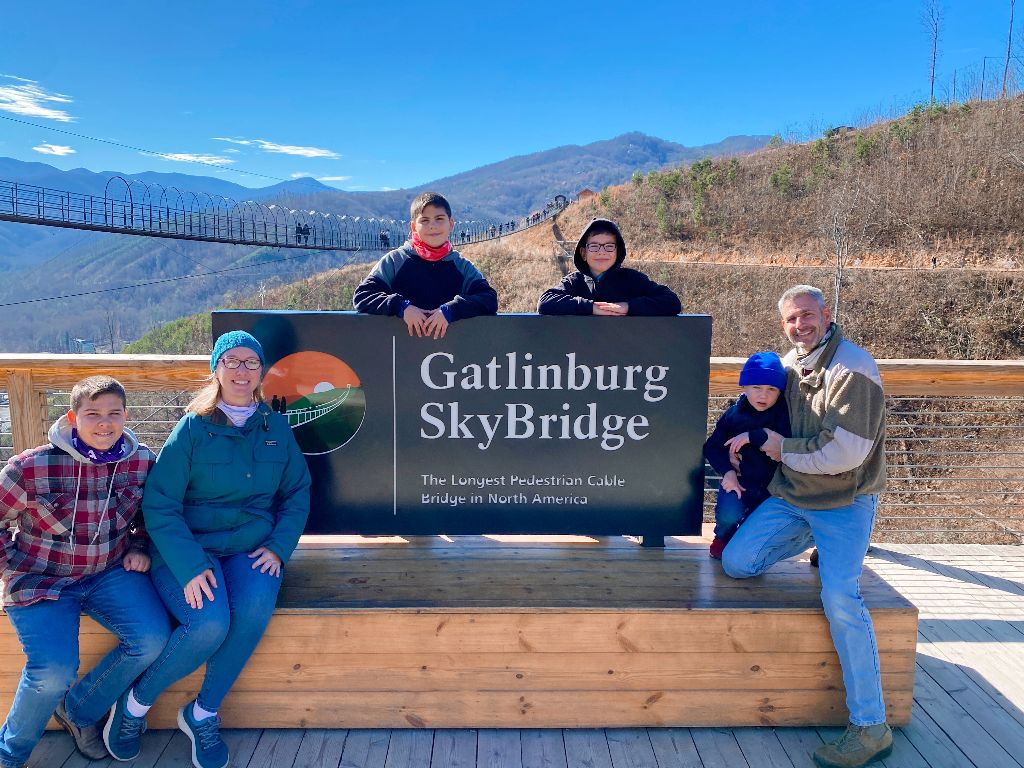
(521, 632)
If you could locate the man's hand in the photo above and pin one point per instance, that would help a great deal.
(136, 561)
(611, 308)
(436, 324)
(773, 445)
(735, 443)
(415, 319)
(731, 483)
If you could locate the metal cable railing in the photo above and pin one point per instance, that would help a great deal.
(965, 488)
(955, 470)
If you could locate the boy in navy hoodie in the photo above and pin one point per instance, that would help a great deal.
(739, 435)
(426, 283)
(602, 286)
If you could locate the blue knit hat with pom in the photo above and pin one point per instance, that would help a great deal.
(763, 368)
(233, 339)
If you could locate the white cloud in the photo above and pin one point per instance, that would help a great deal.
(232, 151)
(282, 149)
(188, 157)
(32, 100)
(333, 178)
(54, 149)
(301, 175)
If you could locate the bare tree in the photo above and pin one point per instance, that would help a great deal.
(1009, 52)
(931, 18)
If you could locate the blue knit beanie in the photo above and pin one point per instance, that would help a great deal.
(233, 339)
(763, 368)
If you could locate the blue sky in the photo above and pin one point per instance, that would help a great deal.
(380, 95)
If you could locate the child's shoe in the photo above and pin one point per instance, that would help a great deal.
(88, 739)
(122, 733)
(717, 546)
(208, 748)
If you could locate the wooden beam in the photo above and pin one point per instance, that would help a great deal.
(28, 411)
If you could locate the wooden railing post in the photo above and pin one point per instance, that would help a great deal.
(29, 414)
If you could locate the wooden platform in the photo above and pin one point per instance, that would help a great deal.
(478, 633)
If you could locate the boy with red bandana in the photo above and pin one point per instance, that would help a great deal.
(425, 282)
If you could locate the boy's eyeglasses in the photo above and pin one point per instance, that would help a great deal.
(598, 247)
(252, 363)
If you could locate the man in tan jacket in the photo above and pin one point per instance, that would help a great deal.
(826, 491)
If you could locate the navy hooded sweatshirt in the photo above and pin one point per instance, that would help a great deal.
(578, 291)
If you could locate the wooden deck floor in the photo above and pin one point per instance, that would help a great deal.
(968, 700)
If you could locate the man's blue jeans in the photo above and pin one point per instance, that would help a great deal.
(777, 530)
(122, 601)
(223, 633)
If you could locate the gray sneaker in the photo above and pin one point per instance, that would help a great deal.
(88, 738)
(858, 746)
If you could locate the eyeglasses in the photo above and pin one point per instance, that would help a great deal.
(253, 363)
(598, 247)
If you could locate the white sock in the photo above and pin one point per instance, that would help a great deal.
(198, 713)
(134, 708)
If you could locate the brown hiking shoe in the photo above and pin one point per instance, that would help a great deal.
(88, 739)
(858, 746)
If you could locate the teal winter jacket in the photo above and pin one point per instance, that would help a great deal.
(219, 490)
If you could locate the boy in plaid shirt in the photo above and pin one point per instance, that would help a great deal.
(70, 542)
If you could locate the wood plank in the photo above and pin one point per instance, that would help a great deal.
(642, 632)
(969, 737)
(718, 748)
(366, 748)
(549, 671)
(543, 748)
(799, 744)
(904, 754)
(631, 748)
(761, 747)
(674, 747)
(154, 745)
(409, 748)
(932, 743)
(587, 748)
(454, 748)
(52, 750)
(320, 748)
(499, 749)
(276, 748)
(242, 743)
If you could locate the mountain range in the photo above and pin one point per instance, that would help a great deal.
(41, 262)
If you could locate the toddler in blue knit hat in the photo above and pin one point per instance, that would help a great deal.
(737, 440)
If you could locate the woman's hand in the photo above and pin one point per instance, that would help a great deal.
(267, 561)
(203, 584)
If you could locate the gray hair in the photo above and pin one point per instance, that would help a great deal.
(802, 290)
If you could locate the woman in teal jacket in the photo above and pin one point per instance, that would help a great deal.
(224, 505)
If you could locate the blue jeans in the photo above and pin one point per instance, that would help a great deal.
(777, 530)
(223, 633)
(729, 512)
(122, 601)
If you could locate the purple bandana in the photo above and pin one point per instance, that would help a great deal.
(95, 455)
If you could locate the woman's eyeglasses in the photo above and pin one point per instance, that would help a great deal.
(253, 363)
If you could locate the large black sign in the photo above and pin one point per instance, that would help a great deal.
(510, 424)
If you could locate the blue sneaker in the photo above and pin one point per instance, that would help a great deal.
(122, 732)
(208, 748)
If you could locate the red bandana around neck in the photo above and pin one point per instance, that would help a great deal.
(427, 252)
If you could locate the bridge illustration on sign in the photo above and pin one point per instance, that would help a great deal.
(298, 417)
(321, 397)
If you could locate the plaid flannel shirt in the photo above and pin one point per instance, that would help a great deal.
(49, 537)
